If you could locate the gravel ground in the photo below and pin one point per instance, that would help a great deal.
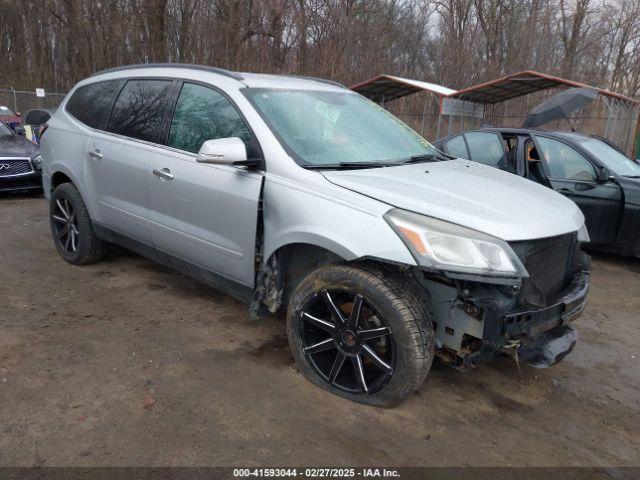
(129, 363)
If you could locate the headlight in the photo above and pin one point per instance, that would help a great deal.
(37, 162)
(583, 234)
(446, 246)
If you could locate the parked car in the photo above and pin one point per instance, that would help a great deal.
(299, 194)
(20, 162)
(8, 117)
(591, 171)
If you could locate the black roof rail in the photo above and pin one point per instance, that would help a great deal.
(306, 77)
(205, 68)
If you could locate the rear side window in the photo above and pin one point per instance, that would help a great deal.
(140, 108)
(91, 104)
(457, 147)
(204, 114)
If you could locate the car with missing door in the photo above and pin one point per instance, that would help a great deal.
(298, 194)
(20, 162)
(589, 170)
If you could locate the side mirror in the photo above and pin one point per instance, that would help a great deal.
(19, 129)
(604, 175)
(225, 151)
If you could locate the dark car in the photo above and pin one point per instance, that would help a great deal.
(592, 172)
(20, 162)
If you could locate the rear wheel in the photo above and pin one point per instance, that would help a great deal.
(71, 227)
(360, 334)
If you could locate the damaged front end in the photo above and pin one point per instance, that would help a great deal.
(477, 318)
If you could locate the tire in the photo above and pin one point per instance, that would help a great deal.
(322, 343)
(71, 227)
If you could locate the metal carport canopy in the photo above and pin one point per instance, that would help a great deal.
(384, 88)
(523, 83)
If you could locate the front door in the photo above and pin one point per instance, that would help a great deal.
(204, 214)
(574, 176)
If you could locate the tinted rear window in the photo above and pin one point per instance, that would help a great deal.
(140, 108)
(91, 104)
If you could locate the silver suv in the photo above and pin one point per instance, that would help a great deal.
(298, 193)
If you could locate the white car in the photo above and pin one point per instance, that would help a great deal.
(298, 193)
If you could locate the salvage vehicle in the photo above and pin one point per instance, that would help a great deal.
(591, 171)
(299, 194)
(20, 162)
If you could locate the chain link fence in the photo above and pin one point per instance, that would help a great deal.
(22, 101)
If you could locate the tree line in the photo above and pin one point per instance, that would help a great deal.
(55, 43)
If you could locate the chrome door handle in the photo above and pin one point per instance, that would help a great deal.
(95, 154)
(164, 173)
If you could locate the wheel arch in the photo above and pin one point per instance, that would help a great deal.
(290, 263)
(62, 175)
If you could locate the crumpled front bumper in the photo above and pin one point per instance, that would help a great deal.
(532, 323)
(478, 321)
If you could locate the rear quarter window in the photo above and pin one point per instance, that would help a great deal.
(90, 104)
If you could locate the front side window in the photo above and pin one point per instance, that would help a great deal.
(91, 103)
(457, 147)
(486, 148)
(140, 108)
(204, 114)
(563, 161)
(611, 158)
(330, 127)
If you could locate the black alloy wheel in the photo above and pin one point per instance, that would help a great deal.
(65, 225)
(347, 342)
(71, 227)
(361, 332)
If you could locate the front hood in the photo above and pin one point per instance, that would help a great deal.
(469, 194)
(16, 146)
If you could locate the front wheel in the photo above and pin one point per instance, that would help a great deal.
(360, 333)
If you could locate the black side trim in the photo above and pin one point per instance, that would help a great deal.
(237, 290)
(190, 66)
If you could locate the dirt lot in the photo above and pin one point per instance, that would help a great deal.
(129, 363)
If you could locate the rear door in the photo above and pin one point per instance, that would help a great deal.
(573, 175)
(118, 160)
(205, 214)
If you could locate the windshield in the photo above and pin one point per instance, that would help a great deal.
(5, 111)
(611, 158)
(329, 128)
(5, 131)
